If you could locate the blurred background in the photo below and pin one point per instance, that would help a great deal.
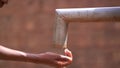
(28, 25)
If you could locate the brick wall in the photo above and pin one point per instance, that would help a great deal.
(27, 25)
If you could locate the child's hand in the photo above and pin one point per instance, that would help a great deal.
(53, 59)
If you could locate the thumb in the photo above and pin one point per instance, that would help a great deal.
(68, 53)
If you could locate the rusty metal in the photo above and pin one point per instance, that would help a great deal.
(66, 16)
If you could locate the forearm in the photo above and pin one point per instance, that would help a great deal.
(15, 55)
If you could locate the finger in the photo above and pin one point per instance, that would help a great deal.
(68, 53)
(65, 58)
(62, 64)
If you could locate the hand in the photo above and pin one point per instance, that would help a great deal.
(55, 60)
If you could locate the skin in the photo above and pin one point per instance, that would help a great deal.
(48, 58)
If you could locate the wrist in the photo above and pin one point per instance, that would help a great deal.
(34, 58)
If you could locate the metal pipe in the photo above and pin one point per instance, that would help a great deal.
(65, 16)
(60, 33)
